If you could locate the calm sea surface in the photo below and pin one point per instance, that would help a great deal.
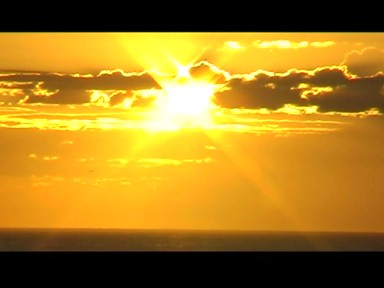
(158, 240)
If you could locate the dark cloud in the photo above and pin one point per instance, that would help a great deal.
(73, 89)
(206, 71)
(13, 92)
(330, 88)
(257, 94)
(357, 95)
(119, 98)
(325, 77)
(143, 101)
(11, 96)
(135, 100)
(63, 96)
(263, 90)
(115, 80)
(365, 62)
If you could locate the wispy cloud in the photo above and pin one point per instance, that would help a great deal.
(85, 159)
(286, 44)
(50, 158)
(117, 162)
(233, 45)
(43, 158)
(322, 44)
(52, 180)
(210, 147)
(45, 180)
(153, 162)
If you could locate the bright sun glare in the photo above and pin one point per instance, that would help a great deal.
(187, 102)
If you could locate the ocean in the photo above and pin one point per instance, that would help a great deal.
(167, 240)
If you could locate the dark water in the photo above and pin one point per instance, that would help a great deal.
(158, 240)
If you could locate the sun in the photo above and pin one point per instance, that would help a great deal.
(186, 101)
(189, 99)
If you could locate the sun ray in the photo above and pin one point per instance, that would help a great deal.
(259, 178)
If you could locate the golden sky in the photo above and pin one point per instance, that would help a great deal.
(249, 131)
